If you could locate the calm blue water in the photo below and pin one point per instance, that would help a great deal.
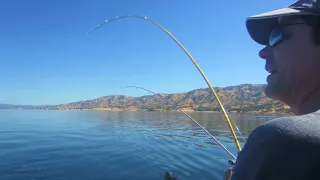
(76, 145)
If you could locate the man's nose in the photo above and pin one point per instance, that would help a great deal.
(265, 53)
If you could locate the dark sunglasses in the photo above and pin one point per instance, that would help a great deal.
(276, 35)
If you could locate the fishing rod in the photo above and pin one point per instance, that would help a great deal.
(192, 59)
(188, 117)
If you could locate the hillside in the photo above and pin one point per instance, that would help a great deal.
(242, 98)
(11, 106)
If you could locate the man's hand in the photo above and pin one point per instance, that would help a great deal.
(227, 174)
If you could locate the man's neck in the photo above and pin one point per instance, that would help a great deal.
(307, 104)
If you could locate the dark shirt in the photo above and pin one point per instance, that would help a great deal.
(284, 148)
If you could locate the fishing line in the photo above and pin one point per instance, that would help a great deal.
(238, 130)
(191, 58)
(188, 117)
(180, 108)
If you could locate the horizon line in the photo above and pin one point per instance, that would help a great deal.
(129, 95)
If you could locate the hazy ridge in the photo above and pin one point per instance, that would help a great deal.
(241, 98)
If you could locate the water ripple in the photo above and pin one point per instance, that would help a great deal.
(63, 145)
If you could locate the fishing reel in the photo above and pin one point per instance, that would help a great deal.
(232, 162)
(169, 176)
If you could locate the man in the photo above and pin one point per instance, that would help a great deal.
(288, 147)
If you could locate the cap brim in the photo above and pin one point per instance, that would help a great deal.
(259, 26)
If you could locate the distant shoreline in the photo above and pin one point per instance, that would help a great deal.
(241, 99)
(132, 109)
(185, 110)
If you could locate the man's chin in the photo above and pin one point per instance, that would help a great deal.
(270, 92)
(267, 92)
(274, 92)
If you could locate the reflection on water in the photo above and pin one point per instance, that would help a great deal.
(115, 145)
(214, 122)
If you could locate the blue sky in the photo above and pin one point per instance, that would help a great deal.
(47, 57)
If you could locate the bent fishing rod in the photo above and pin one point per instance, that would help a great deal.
(162, 98)
(191, 58)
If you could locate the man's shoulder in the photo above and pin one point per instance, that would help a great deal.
(280, 149)
(297, 127)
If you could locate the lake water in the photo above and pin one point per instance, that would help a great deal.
(100, 145)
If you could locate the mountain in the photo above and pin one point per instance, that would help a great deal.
(241, 98)
(6, 106)
(11, 106)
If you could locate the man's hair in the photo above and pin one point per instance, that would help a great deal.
(314, 23)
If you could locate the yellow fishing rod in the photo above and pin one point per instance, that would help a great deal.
(192, 59)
